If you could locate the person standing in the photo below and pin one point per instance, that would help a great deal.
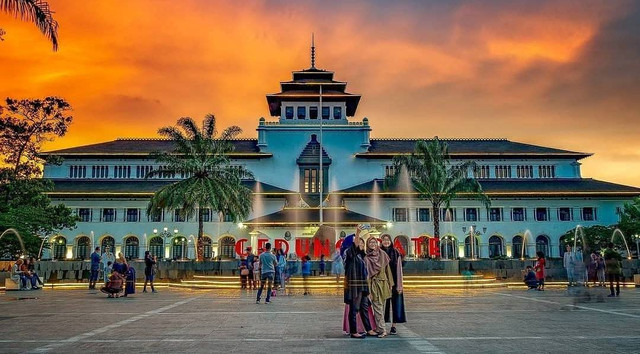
(282, 269)
(356, 288)
(380, 282)
(592, 268)
(600, 270)
(107, 257)
(568, 262)
(244, 272)
(306, 273)
(149, 270)
(267, 272)
(337, 268)
(540, 270)
(322, 265)
(250, 259)
(396, 303)
(613, 268)
(95, 268)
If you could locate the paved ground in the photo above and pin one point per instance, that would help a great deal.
(488, 321)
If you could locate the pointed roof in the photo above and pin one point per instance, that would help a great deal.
(310, 154)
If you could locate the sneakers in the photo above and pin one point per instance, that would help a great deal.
(611, 295)
(267, 302)
(258, 302)
(393, 331)
(144, 290)
(153, 291)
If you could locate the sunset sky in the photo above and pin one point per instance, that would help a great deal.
(564, 74)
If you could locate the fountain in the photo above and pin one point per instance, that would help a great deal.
(15, 232)
(406, 186)
(575, 237)
(524, 243)
(617, 231)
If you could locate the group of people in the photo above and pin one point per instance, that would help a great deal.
(250, 270)
(583, 268)
(119, 278)
(372, 281)
(23, 272)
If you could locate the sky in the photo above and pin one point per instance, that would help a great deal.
(563, 74)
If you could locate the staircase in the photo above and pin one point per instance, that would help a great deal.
(410, 282)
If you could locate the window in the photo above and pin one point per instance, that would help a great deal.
(495, 214)
(59, 247)
(132, 248)
(588, 214)
(83, 247)
(227, 217)
(468, 252)
(178, 216)
(302, 112)
(422, 215)
(565, 214)
(547, 171)
(313, 112)
(85, 214)
(311, 180)
(471, 214)
(481, 172)
(156, 217)
(448, 214)
(206, 214)
(288, 112)
(122, 172)
(448, 247)
(142, 171)
(156, 247)
(326, 112)
(496, 246)
(77, 171)
(389, 171)
(108, 215)
(99, 171)
(179, 248)
(542, 244)
(525, 171)
(227, 247)
(503, 171)
(133, 215)
(542, 214)
(337, 112)
(517, 247)
(206, 248)
(400, 214)
(518, 214)
(108, 243)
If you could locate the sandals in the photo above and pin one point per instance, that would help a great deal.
(357, 336)
(382, 335)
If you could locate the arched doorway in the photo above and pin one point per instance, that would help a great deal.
(542, 244)
(402, 243)
(108, 243)
(496, 246)
(516, 244)
(206, 246)
(156, 247)
(179, 246)
(448, 247)
(226, 247)
(468, 252)
(83, 247)
(59, 247)
(131, 247)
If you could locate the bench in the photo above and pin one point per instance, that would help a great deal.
(10, 285)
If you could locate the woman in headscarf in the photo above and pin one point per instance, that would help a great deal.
(356, 288)
(396, 303)
(380, 282)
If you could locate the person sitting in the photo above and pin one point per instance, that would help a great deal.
(32, 269)
(28, 276)
(530, 278)
(114, 286)
(17, 276)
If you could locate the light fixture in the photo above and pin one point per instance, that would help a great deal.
(254, 233)
(166, 229)
(155, 231)
(389, 224)
(240, 225)
(175, 231)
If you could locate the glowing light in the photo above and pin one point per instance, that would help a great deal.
(389, 225)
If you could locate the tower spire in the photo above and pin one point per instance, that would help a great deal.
(313, 52)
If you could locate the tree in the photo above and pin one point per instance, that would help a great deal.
(435, 178)
(25, 125)
(630, 221)
(36, 11)
(596, 237)
(211, 181)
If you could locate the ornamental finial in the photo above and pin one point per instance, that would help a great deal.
(313, 52)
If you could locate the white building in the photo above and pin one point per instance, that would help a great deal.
(532, 188)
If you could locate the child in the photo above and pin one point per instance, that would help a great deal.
(530, 278)
(306, 272)
(256, 272)
(109, 269)
(540, 271)
(322, 264)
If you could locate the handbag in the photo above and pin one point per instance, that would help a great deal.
(244, 271)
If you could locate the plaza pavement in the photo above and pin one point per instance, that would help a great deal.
(460, 321)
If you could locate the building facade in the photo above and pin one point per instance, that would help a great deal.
(537, 192)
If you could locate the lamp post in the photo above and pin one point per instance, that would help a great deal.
(636, 237)
(164, 234)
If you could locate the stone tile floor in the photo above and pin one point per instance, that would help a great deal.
(450, 321)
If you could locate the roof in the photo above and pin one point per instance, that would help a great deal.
(516, 187)
(141, 187)
(469, 148)
(306, 216)
(244, 148)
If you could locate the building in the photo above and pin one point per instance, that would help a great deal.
(537, 192)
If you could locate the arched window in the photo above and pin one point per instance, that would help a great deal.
(448, 247)
(467, 248)
(109, 242)
(562, 244)
(59, 247)
(517, 247)
(227, 247)
(179, 248)
(156, 247)
(131, 247)
(402, 243)
(206, 246)
(496, 246)
(542, 244)
(83, 247)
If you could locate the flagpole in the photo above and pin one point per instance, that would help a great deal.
(321, 169)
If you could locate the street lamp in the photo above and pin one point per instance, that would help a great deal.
(636, 237)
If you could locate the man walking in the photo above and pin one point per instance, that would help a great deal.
(267, 271)
(95, 268)
(612, 261)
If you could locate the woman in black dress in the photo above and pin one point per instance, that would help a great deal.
(356, 289)
(149, 263)
(396, 303)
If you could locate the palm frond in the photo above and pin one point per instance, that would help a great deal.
(36, 11)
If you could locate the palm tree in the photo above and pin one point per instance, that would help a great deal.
(211, 181)
(36, 11)
(434, 178)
